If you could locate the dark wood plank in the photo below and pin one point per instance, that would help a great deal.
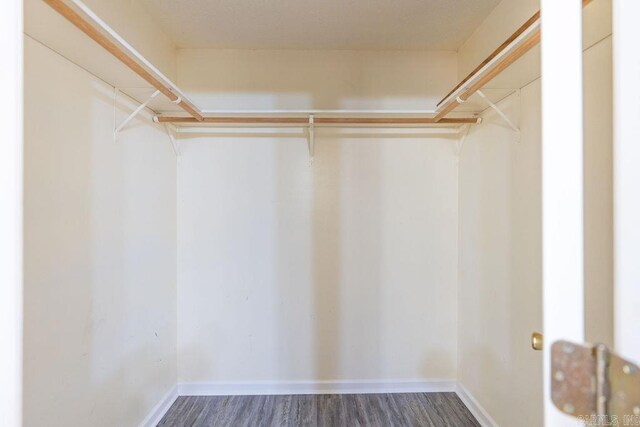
(303, 410)
(331, 411)
(416, 410)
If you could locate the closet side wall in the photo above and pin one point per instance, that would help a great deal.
(100, 252)
(500, 271)
(343, 271)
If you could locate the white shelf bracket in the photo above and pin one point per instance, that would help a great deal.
(311, 140)
(499, 111)
(135, 112)
(463, 136)
(172, 138)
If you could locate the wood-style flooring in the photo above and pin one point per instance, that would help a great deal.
(331, 410)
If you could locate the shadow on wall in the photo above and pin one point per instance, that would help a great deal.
(335, 310)
(347, 300)
(350, 259)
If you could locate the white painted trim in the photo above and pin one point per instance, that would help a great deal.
(314, 387)
(158, 411)
(562, 187)
(472, 404)
(11, 190)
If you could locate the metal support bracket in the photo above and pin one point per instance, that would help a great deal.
(311, 140)
(135, 112)
(172, 138)
(499, 111)
(590, 381)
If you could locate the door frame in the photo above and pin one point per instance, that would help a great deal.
(562, 188)
(562, 185)
(11, 37)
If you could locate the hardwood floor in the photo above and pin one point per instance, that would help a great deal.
(331, 410)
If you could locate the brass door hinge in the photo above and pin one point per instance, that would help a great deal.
(589, 380)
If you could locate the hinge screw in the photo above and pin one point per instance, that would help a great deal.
(559, 376)
(568, 408)
(628, 369)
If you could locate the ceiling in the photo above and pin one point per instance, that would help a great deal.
(319, 24)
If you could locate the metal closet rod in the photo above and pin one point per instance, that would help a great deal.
(326, 112)
(488, 69)
(322, 120)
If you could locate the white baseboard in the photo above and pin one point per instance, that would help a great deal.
(161, 408)
(474, 407)
(314, 387)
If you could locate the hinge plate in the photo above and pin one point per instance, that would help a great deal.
(625, 387)
(589, 380)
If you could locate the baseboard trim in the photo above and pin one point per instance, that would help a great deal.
(161, 408)
(474, 407)
(314, 387)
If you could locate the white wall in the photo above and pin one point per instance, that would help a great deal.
(341, 271)
(289, 79)
(500, 270)
(500, 299)
(100, 252)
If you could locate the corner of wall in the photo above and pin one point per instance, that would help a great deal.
(157, 412)
(480, 414)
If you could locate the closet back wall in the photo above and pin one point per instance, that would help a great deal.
(344, 270)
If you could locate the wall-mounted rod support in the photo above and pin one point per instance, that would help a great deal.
(172, 139)
(136, 112)
(499, 111)
(463, 136)
(322, 120)
(119, 51)
(311, 141)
